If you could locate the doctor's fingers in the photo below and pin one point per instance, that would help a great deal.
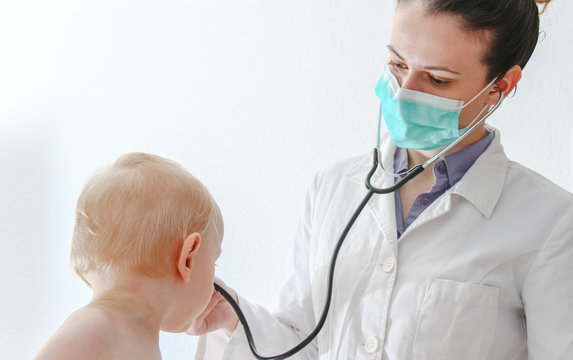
(203, 322)
(227, 288)
(217, 314)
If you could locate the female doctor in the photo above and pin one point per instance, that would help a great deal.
(472, 259)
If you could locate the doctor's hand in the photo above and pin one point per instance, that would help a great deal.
(217, 315)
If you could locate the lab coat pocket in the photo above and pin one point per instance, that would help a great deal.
(457, 321)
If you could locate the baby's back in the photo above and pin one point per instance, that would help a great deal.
(94, 332)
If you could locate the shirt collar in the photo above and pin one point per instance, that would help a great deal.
(455, 165)
(482, 184)
(458, 163)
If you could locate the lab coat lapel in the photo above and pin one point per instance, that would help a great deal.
(481, 190)
(481, 186)
(381, 207)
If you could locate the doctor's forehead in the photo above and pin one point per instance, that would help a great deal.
(424, 39)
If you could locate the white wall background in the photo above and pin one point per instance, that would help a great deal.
(251, 96)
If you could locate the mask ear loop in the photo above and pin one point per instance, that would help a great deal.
(468, 128)
(495, 87)
(491, 110)
(479, 93)
(473, 125)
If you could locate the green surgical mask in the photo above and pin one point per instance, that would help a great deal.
(417, 120)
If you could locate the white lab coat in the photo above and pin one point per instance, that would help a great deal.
(485, 272)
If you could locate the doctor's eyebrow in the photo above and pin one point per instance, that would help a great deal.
(436, 68)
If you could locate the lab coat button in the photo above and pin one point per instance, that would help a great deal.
(389, 264)
(371, 345)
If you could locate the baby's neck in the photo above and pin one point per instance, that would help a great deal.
(130, 311)
(132, 301)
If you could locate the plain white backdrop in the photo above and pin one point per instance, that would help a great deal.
(253, 97)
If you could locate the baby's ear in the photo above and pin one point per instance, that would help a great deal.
(187, 254)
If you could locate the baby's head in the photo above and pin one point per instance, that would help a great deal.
(148, 215)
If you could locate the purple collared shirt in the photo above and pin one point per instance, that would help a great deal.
(446, 172)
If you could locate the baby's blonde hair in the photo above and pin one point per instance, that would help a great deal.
(135, 214)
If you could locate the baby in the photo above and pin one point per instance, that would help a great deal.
(146, 238)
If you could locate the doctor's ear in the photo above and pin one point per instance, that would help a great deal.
(506, 84)
(188, 255)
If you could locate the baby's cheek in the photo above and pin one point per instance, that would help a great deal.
(207, 285)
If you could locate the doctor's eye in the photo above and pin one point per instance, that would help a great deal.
(397, 65)
(438, 82)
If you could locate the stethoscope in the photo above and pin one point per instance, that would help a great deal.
(377, 161)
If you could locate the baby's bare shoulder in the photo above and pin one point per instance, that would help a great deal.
(88, 333)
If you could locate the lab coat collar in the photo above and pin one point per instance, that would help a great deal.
(483, 182)
(481, 185)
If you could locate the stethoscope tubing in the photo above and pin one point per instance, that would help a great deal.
(322, 320)
(371, 191)
(409, 175)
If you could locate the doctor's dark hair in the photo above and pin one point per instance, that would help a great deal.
(514, 26)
